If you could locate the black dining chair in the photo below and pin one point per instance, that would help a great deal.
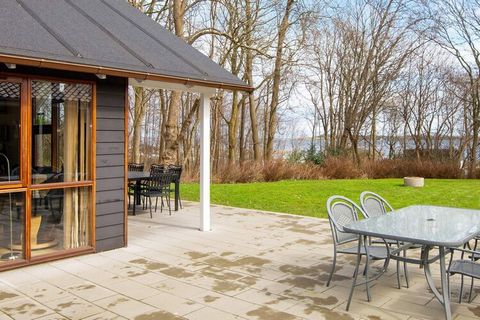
(177, 174)
(158, 186)
(157, 167)
(154, 169)
(135, 167)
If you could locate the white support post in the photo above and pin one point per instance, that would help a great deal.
(205, 219)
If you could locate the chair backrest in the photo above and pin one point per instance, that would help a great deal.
(342, 211)
(176, 171)
(157, 168)
(138, 167)
(373, 204)
(160, 180)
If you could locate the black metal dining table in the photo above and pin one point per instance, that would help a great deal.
(140, 176)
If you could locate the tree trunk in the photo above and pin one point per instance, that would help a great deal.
(232, 125)
(249, 79)
(373, 140)
(172, 149)
(272, 121)
(475, 131)
(171, 129)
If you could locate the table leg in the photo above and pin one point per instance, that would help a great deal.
(177, 193)
(138, 200)
(445, 284)
(367, 256)
(443, 297)
(136, 197)
(355, 273)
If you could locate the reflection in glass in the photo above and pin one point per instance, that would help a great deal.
(9, 131)
(61, 132)
(60, 220)
(11, 226)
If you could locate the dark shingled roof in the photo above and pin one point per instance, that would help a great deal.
(109, 35)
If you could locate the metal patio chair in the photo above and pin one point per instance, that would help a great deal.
(177, 173)
(342, 211)
(463, 264)
(157, 168)
(375, 205)
(158, 186)
(464, 267)
(136, 167)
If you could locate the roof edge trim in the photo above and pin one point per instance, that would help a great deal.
(78, 67)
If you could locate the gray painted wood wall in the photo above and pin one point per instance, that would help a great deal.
(110, 164)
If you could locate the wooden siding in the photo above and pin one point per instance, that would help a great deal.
(110, 164)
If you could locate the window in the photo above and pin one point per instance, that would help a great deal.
(46, 169)
(60, 220)
(10, 117)
(12, 206)
(61, 127)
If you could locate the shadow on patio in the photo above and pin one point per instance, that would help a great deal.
(253, 265)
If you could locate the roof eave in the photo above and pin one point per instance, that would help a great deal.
(78, 67)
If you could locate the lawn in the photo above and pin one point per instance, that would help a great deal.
(309, 197)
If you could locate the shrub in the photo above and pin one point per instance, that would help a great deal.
(276, 170)
(296, 156)
(380, 169)
(333, 168)
(341, 168)
(399, 168)
(313, 156)
(429, 169)
(307, 171)
(238, 173)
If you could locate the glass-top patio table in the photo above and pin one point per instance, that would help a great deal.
(430, 226)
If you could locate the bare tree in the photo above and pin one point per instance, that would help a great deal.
(455, 26)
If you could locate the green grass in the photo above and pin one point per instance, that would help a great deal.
(309, 197)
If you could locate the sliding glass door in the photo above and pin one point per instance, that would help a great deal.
(46, 168)
(61, 159)
(12, 195)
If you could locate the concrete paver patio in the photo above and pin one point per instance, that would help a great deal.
(253, 265)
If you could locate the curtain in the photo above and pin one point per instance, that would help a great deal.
(76, 204)
(70, 155)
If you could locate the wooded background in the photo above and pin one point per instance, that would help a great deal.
(403, 71)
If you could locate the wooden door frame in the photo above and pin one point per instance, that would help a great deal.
(25, 185)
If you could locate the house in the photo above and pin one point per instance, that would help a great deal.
(65, 68)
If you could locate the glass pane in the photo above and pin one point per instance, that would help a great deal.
(61, 132)
(9, 131)
(11, 226)
(60, 219)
